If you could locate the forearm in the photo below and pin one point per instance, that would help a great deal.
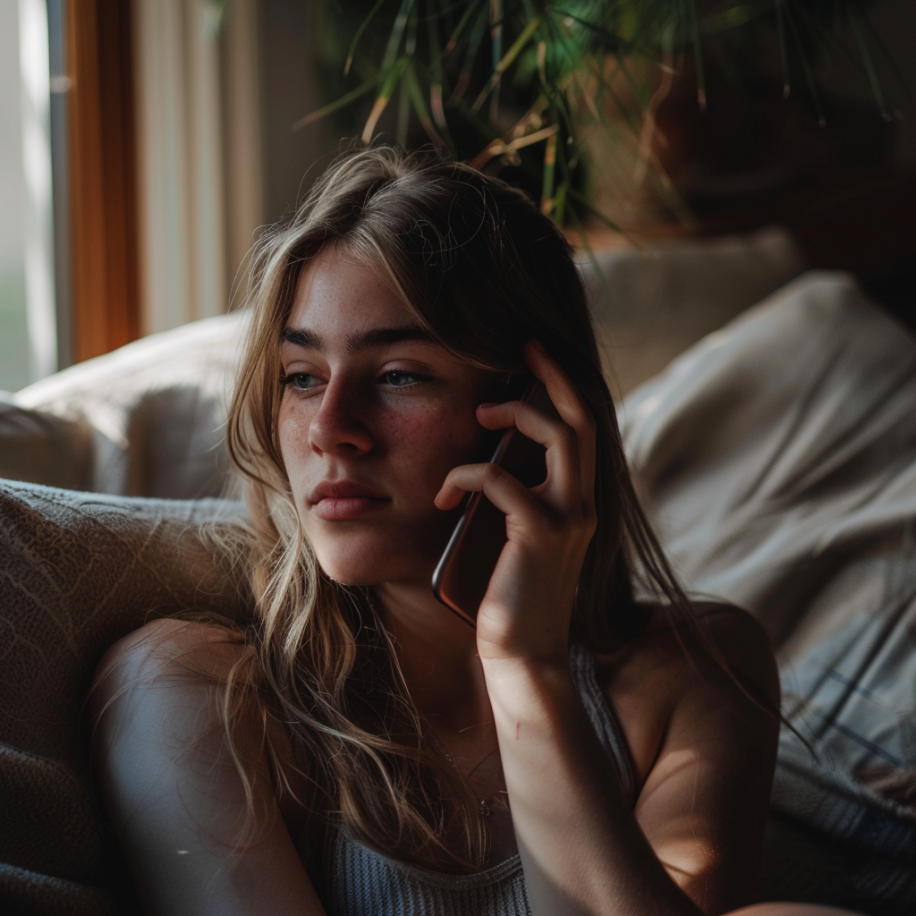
(582, 849)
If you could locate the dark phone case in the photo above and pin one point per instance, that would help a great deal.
(463, 573)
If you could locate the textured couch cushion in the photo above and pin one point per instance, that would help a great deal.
(77, 571)
(778, 459)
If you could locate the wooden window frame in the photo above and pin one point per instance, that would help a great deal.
(102, 177)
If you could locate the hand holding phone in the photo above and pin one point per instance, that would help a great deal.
(463, 573)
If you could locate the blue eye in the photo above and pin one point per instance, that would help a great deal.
(398, 379)
(300, 381)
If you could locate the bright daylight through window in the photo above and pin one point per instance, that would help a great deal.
(28, 346)
(14, 351)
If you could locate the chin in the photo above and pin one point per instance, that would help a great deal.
(368, 557)
(365, 571)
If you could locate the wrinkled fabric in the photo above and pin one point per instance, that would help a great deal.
(778, 461)
(146, 420)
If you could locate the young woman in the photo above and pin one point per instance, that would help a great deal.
(359, 748)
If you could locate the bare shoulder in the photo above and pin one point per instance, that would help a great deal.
(169, 669)
(744, 647)
(718, 643)
(169, 647)
(190, 776)
(676, 668)
(169, 666)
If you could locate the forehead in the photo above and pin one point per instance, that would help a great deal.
(335, 292)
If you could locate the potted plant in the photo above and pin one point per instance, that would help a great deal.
(528, 87)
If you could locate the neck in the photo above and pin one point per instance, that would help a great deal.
(438, 656)
(437, 652)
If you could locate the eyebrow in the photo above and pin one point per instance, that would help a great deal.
(361, 340)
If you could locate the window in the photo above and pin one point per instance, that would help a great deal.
(28, 345)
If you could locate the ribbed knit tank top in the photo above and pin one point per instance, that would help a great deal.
(362, 882)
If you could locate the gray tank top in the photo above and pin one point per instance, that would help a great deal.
(364, 883)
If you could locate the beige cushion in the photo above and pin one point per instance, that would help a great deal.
(145, 420)
(652, 303)
(778, 458)
(78, 571)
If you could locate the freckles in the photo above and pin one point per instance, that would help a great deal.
(445, 428)
(427, 444)
(293, 435)
(452, 438)
(292, 423)
(418, 430)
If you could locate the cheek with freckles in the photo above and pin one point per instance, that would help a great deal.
(432, 445)
(412, 452)
(292, 434)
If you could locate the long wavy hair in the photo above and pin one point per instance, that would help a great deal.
(484, 272)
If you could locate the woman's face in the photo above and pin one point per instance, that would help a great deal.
(373, 416)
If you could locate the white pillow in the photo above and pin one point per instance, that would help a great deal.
(145, 420)
(778, 461)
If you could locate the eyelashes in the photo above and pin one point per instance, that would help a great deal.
(393, 378)
(289, 381)
(400, 378)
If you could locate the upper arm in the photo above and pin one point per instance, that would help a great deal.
(703, 805)
(172, 787)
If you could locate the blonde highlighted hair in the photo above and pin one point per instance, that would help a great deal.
(484, 272)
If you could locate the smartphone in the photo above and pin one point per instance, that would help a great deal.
(463, 572)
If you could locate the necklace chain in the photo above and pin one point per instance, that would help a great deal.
(486, 806)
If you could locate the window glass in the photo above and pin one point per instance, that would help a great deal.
(14, 344)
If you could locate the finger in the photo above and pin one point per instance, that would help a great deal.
(562, 458)
(569, 405)
(537, 425)
(451, 493)
(502, 489)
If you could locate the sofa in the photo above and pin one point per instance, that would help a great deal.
(776, 456)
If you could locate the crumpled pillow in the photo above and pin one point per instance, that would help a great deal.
(778, 461)
(77, 572)
(146, 420)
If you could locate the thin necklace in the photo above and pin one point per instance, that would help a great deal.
(486, 806)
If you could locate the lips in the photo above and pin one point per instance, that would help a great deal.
(345, 500)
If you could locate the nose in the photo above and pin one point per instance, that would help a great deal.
(338, 425)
